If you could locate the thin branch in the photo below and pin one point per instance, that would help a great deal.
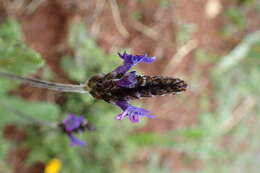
(238, 53)
(27, 117)
(117, 18)
(45, 84)
(93, 20)
(239, 113)
(146, 30)
(180, 54)
(100, 4)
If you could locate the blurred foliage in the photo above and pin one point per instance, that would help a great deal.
(235, 16)
(238, 16)
(243, 2)
(137, 15)
(16, 56)
(184, 31)
(165, 3)
(41, 111)
(88, 59)
(205, 57)
(236, 88)
(154, 165)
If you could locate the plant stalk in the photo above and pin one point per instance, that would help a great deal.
(81, 88)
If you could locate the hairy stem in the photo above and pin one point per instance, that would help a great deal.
(46, 84)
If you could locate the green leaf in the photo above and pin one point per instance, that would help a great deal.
(88, 58)
(235, 16)
(151, 139)
(203, 56)
(10, 31)
(16, 56)
(41, 111)
(254, 52)
(190, 133)
(3, 148)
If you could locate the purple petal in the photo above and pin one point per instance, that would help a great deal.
(150, 116)
(132, 112)
(122, 56)
(131, 60)
(148, 60)
(73, 122)
(134, 118)
(122, 104)
(119, 117)
(128, 80)
(76, 142)
(123, 68)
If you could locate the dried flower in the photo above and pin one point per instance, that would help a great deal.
(74, 124)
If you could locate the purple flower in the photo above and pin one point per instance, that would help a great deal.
(73, 124)
(129, 80)
(131, 60)
(132, 112)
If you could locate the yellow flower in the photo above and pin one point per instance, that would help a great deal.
(53, 166)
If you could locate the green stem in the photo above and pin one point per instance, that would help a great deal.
(46, 84)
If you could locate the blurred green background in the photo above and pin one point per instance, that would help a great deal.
(214, 45)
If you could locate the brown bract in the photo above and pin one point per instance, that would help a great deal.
(105, 87)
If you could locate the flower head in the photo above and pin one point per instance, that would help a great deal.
(131, 60)
(121, 86)
(132, 112)
(73, 124)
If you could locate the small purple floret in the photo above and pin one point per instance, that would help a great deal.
(131, 60)
(128, 80)
(72, 123)
(132, 112)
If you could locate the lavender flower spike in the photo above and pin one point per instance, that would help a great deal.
(121, 85)
(73, 124)
(132, 112)
(131, 60)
